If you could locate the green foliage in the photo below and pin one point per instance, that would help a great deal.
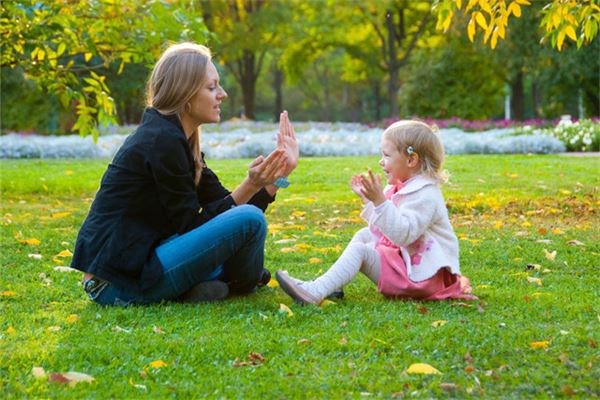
(452, 79)
(561, 18)
(506, 211)
(65, 45)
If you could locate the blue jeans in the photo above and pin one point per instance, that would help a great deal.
(229, 247)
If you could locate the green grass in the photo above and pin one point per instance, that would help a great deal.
(506, 210)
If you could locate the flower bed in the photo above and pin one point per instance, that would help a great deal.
(248, 139)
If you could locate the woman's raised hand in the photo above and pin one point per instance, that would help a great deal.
(286, 140)
(264, 171)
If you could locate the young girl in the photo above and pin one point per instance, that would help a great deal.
(409, 248)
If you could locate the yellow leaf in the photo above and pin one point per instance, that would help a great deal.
(298, 214)
(471, 29)
(550, 255)
(8, 293)
(285, 309)
(31, 242)
(560, 39)
(471, 4)
(53, 328)
(87, 56)
(326, 303)
(571, 33)
(38, 372)
(540, 345)
(69, 172)
(60, 215)
(287, 249)
(531, 279)
(273, 283)
(10, 330)
(458, 3)
(158, 364)
(136, 385)
(558, 232)
(485, 6)
(564, 191)
(494, 40)
(438, 323)
(314, 260)
(72, 318)
(64, 253)
(481, 20)
(516, 9)
(421, 368)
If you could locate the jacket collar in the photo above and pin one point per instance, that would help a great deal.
(413, 184)
(151, 113)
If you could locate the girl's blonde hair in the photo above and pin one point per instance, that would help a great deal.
(176, 78)
(418, 137)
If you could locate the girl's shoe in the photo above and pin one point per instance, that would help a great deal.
(295, 291)
(337, 295)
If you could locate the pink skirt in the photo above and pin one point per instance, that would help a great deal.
(395, 283)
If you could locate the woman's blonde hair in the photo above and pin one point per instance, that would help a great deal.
(176, 78)
(418, 137)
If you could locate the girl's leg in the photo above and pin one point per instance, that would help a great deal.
(233, 241)
(356, 257)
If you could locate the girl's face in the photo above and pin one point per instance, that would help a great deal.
(398, 167)
(204, 106)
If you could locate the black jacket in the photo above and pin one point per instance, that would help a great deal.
(146, 195)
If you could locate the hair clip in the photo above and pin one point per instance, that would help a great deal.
(410, 150)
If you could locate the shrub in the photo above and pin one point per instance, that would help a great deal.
(583, 135)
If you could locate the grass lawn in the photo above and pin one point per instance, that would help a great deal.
(529, 237)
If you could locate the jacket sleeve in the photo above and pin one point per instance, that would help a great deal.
(403, 225)
(262, 199)
(170, 168)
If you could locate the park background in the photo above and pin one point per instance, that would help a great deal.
(522, 75)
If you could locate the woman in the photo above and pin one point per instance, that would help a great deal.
(162, 227)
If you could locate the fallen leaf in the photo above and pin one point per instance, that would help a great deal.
(71, 377)
(326, 303)
(60, 215)
(469, 369)
(460, 304)
(550, 255)
(422, 309)
(135, 385)
(53, 328)
(157, 329)
(343, 341)
(285, 309)
(575, 243)
(10, 330)
(558, 232)
(61, 268)
(544, 241)
(8, 293)
(287, 249)
(38, 372)
(157, 364)
(468, 357)
(273, 283)
(567, 390)
(532, 279)
(31, 242)
(540, 345)
(314, 260)
(72, 318)
(438, 323)
(35, 256)
(254, 359)
(592, 343)
(421, 368)
(542, 231)
(68, 172)
(281, 241)
(448, 386)
(303, 341)
(119, 329)
(64, 253)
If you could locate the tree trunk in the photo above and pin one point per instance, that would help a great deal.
(517, 104)
(393, 63)
(248, 76)
(278, 88)
(535, 98)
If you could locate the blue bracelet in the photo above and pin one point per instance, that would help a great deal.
(282, 183)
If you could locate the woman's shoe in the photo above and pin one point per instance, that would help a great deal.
(206, 291)
(264, 278)
(295, 291)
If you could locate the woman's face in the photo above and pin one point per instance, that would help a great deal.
(204, 106)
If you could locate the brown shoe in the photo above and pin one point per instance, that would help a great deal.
(295, 291)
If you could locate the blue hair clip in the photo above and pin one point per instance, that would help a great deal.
(410, 150)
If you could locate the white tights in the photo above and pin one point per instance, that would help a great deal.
(359, 255)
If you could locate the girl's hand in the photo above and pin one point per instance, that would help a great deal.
(264, 171)
(286, 141)
(372, 188)
(357, 187)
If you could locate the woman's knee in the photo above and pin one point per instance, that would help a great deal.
(254, 217)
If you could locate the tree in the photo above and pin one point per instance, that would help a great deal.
(65, 46)
(562, 19)
(245, 30)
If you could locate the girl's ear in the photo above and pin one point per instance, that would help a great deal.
(413, 160)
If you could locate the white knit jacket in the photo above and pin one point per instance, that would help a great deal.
(419, 226)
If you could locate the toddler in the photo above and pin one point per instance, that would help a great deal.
(409, 248)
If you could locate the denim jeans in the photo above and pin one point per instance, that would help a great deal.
(229, 247)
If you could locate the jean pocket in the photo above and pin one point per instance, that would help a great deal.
(94, 287)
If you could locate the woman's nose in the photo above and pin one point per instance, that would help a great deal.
(223, 94)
